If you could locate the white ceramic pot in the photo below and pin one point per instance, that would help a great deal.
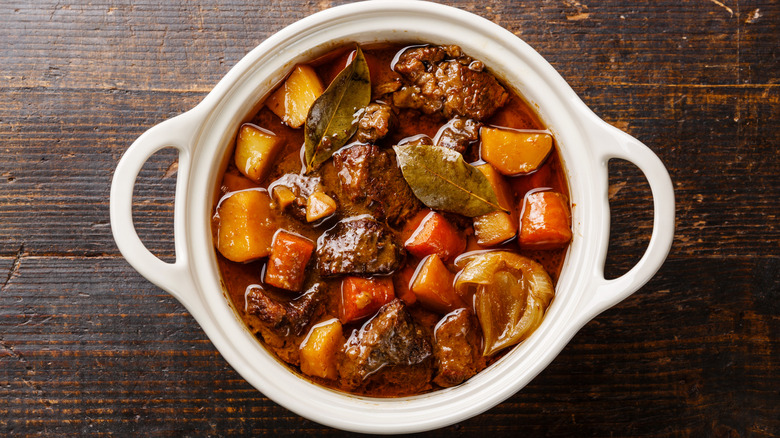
(203, 137)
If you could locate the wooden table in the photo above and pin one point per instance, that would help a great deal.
(88, 346)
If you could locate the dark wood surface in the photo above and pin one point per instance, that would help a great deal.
(89, 347)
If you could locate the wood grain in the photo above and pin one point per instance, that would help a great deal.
(88, 347)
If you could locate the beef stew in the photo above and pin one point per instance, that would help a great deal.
(379, 254)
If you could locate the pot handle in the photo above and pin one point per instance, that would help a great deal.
(175, 278)
(618, 144)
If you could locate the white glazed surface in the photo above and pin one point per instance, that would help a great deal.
(203, 135)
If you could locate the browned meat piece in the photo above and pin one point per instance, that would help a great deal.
(302, 187)
(413, 97)
(399, 380)
(375, 122)
(458, 134)
(456, 348)
(391, 338)
(370, 177)
(284, 317)
(358, 245)
(446, 81)
(417, 62)
(383, 88)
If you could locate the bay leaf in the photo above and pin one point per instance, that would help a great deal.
(332, 118)
(442, 180)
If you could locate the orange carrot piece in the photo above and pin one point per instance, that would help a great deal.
(433, 286)
(435, 235)
(545, 221)
(411, 225)
(362, 297)
(290, 253)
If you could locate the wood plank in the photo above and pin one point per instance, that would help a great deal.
(166, 45)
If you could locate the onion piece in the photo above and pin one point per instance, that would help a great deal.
(510, 292)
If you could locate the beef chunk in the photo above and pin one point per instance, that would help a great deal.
(375, 122)
(398, 381)
(383, 88)
(369, 176)
(458, 134)
(456, 348)
(443, 80)
(418, 62)
(391, 338)
(358, 245)
(302, 187)
(284, 317)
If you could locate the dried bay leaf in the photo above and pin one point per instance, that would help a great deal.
(442, 180)
(332, 119)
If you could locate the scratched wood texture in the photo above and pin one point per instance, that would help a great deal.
(89, 347)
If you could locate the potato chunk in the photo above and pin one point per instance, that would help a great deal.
(256, 149)
(318, 350)
(233, 181)
(291, 101)
(433, 286)
(514, 152)
(283, 196)
(318, 206)
(498, 226)
(494, 228)
(246, 225)
(500, 186)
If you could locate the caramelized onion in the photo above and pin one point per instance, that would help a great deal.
(510, 294)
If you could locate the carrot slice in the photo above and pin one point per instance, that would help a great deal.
(432, 285)
(290, 253)
(545, 222)
(435, 235)
(411, 225)
(362, 297)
